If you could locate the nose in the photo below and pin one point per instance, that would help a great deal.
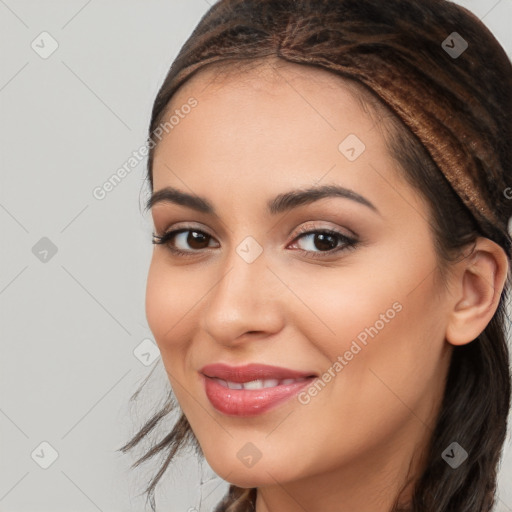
(247, 301)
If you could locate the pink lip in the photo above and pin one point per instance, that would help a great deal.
(250, 372)
(250, 402)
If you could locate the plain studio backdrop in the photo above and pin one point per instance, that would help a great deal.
(77, 82)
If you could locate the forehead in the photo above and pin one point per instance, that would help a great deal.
(249, 119)
(271, 75)
(273, 130)
(272, 120)
(274, 87)
(235, 96)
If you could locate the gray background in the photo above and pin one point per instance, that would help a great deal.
(73, 324)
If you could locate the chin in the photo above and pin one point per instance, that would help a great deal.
(259, 475)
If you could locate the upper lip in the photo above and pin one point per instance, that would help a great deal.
(250, 372)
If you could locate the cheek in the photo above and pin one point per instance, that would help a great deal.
(390, 340)
(339, 305)
(170, 298)
(384, 319)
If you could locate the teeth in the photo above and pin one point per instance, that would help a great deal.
(257, 384)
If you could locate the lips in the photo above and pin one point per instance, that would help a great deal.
(251, 389)
(251, 372)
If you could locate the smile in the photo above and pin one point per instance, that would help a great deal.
(258, 384)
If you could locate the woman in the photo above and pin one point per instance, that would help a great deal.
(330, 194)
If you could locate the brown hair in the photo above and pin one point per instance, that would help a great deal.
(450, 131)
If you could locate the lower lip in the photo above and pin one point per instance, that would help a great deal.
(249, 402)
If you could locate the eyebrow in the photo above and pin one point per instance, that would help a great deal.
(281, 203)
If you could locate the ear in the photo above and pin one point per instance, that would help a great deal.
(477, 283)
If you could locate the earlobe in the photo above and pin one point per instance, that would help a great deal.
(480, 282)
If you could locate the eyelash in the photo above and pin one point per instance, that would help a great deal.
(349, 243)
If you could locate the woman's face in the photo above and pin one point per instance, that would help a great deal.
(366, 319)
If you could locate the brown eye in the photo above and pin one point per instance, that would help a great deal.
(324, 241)
(182, 241)
(197, 239)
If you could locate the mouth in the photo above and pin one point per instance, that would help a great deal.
(252, 372)
(251, 389)
(259, 383)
